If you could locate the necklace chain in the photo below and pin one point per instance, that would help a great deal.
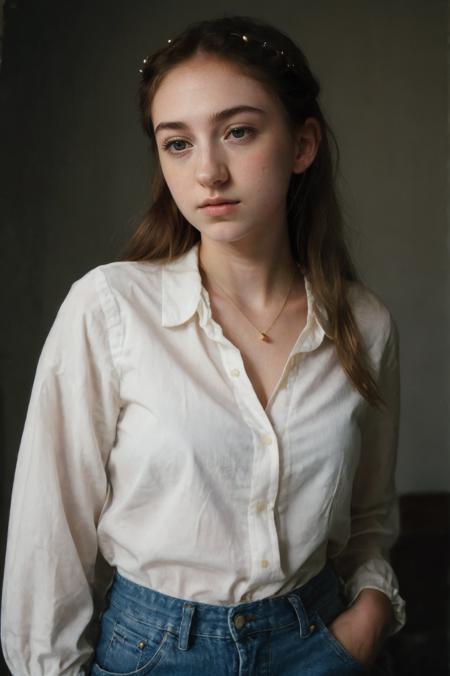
(263, 335)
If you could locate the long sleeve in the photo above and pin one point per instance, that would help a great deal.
(365, 563)
(60, 487)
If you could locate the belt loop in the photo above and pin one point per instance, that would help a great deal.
(305, 627)
(185, 626)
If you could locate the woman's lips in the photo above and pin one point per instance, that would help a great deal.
(220, 209)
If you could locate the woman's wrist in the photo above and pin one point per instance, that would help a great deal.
(374, 609)
(363, 627)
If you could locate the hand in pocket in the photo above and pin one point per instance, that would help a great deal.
(357, 637)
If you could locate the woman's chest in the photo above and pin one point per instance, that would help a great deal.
(265, 349)
(190, 413)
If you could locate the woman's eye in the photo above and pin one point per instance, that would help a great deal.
(241, 129)
(178, 146)
(171, 144)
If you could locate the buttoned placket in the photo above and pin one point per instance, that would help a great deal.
(184, 296)
(264, 543)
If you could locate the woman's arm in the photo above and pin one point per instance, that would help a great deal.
(363, 628)
(60, 487)
(376, 608)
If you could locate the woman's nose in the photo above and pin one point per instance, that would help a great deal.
(212, 167)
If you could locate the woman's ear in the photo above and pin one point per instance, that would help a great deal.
(306, 143)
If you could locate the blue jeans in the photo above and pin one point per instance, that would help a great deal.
(145, 632)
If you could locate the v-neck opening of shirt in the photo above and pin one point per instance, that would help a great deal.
(218, 329)
(289, 358)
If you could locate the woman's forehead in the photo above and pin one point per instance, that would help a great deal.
(203, 86)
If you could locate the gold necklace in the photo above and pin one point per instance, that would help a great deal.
(262, 334)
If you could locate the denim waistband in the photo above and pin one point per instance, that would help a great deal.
(322, 594)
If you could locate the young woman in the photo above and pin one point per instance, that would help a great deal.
(215, 415)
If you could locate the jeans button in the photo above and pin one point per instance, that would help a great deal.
(239, 621)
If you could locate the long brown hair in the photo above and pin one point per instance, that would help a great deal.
(314, 216)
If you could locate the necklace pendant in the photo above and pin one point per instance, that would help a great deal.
(264, 337)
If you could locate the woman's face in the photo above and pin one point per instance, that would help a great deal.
(210, 147)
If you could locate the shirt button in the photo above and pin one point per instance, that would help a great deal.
(266, 439)
(235, 373)
(261, 506)
(264, 563)
(239, 621)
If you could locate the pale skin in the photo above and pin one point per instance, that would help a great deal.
(249, 156)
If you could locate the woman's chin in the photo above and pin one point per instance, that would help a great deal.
(221, 231)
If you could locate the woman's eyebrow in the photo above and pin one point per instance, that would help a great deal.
(214, 118)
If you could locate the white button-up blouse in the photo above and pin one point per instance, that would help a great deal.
(145, 446)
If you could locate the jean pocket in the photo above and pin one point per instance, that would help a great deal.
(337, 646)
(128, 647)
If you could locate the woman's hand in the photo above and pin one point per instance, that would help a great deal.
(363, 627)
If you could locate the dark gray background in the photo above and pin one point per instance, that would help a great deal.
(75, 171)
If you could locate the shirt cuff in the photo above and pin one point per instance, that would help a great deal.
(378, 574)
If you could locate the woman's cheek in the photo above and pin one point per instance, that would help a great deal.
(256, 170)
(176, 183)
(266, 179)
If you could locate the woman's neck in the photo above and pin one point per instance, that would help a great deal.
(255, 278)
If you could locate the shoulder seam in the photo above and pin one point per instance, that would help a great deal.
(113, 318)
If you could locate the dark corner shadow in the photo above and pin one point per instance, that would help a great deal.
(421, 559)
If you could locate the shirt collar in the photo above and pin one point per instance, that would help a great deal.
(182, 287)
